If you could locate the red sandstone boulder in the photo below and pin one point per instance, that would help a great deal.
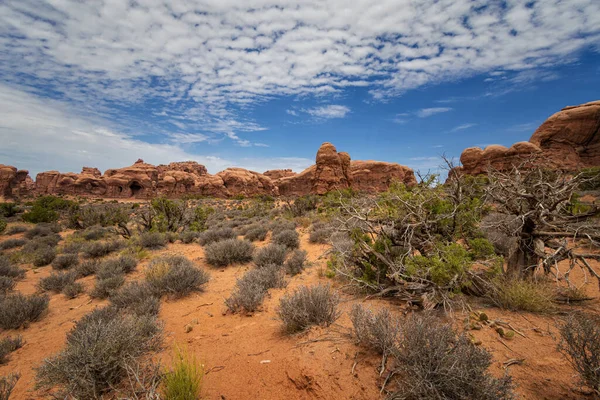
(14, 182)
(248, 183)
(477, 161)
(279, 173)
(377, 176)
(332, 170)
(297, 185)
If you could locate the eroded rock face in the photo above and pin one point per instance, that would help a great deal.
(571, 137)
(332, 170)
(14, 182)
(377, 176)
(239, 181)
(279, 173)
(569, 140)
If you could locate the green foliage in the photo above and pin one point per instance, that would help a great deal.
(45, 209)
(169, 214)
(523, 295)
(302, 205)
(39, 214)
(9, 209)
(200, 217)
(481, 248)
(184, 380)
(446, 267)
(82, 217)
(3, 225)
(591, 178)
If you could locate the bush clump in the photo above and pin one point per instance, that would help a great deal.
(42, 230)
(6, 284)
(282, 225)
(308, 306)
(101, 249)
(65, 261)
(256, 233)
(271, 254)
(87, 268)
(9, 270)
(8, 345)
(11, 243)
(138, 298)
(287, 238)
(7, 384)
(43, 256)
(17, 309)
(152, 240)
(522, 295)
(175, 275)
(73, 289)
(320, 233)
(379, 331)
(481, 249)
(57, 281)
(215, 235)
(432, 362)
(295, 263)
(580, 343)
(228, 251)
(99, 350)
(107, 286)
(116, 266)
(188, 237)
(15, 229)
(251, 289)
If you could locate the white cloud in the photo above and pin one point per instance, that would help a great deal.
(328, 112)
(428, 112)
(292, 112)
(39, 135)
(462, 127)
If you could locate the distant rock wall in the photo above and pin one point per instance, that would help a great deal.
(332, 171)
(569, 140)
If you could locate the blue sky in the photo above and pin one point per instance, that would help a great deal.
(261, 84)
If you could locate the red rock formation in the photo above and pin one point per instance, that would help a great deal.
(334, 171)
(568, 140)
(279, 173)
(248, 183)
(14, 182)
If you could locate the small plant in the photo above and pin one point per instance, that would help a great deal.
(271, 254)
(8, 345)
(308, 306)
(295, 263)
(188, 237)
(17, 309)
(99, 350)
(116, 266)
(15, 229)
(6, 284)
(152, 240)
(42, 230)
(256, 233)
(215, 235)
(65, 261)
(229, 251)
(175, 275)
(71, 247)
(580, 334)
(379, 331)
(282, 225)
(320, 233)
(523, 295)
(8, 210)
(432, 362)
(287, 238)
(251, 288)
(7, 384)
(136, 297)
(101, 249)
(481, 249)
(107, 286)
(12, 243)
(9, 270)
(184, 380)
(73, 289)
(56, 282)
(87, 268)
(43, 256)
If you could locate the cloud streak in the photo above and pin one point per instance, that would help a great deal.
(428, 112)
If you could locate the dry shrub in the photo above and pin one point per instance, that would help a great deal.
(251, 289)
(287, 238)
(188, 237)
(152, 240)
(256, 233)
(41, 230)
(175, 276)
(71, 247)
(115, 266)
(523, 295)
(8, 345)
(295, 262)
(57, 281)
(65, 261)
(282, 225)
(580, 334)
(73, 289)
(43, 256)
(215, 235)
(138, 298)
(229, 251)
(7, 384)
(17, 310)
(432, 362)
(9, 270)
(379, 331)
(12, 243)
(271, 254)
(98, 352)
(320, 233)
(101, 249)
(6, 284)
(87, 268)
(107, 286)
(13, 230)
(308, 306)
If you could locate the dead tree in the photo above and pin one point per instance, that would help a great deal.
(543, 214)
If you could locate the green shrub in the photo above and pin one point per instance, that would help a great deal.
(8, 345)
(184, 380)
(65, 261)
(432, 362)
(3, 225)
(175, 275)
(287, 238)
(523, 295)
(229, 251)
(308, 306)
(56, 282)
(43, 256)
(188, 237)
(99, 350)
(295, 263)
(481, 249)
(12, 243)
(152, 240)
(448, 267)
(271, 254)
(17, 309)
(251, 288)
(39, 214)
(580, 343)
(8, 210)
(591, 178)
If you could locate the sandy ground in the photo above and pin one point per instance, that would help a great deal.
(247, 357)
